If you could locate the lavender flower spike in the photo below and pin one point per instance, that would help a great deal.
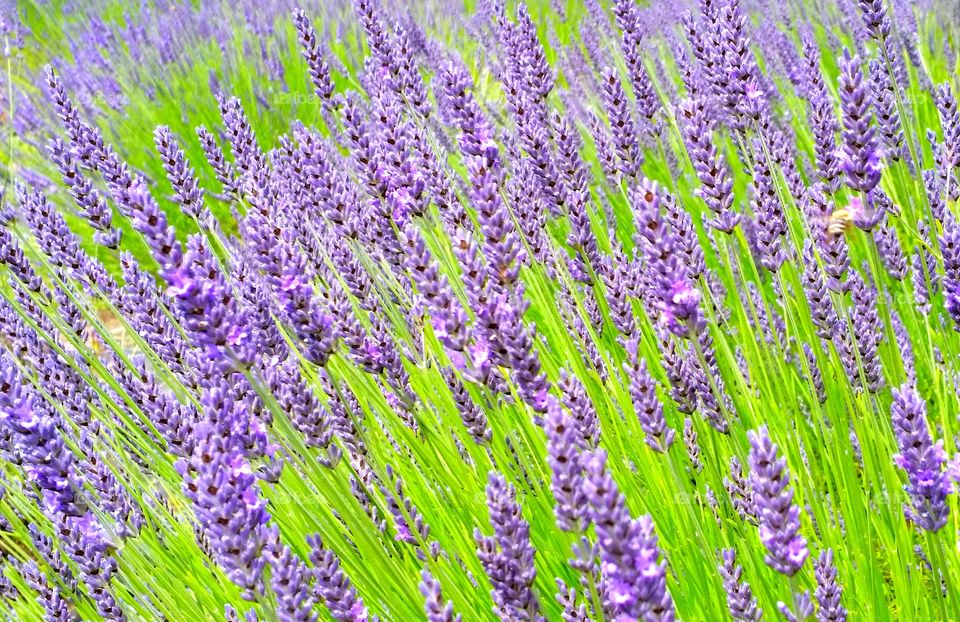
(679, 301)
(648, 408)
(740, 599)
(436, 610)
(186, 189)
(779, 516)
(333, 586)
(861, 153)
(507, 556)
(828, 590)
(564, 443)
(633, 578)
(31, 429)
(223, 488)
(922, 459)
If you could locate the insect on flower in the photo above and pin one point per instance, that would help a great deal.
(840, 222)
(842, 219)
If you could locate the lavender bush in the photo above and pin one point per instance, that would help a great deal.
(592, 312)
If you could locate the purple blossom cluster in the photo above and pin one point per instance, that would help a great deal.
(481, 287)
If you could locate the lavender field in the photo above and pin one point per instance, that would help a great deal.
(454, 311)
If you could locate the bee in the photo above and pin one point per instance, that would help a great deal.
(114, 327)
(842, 219)
(841, 222)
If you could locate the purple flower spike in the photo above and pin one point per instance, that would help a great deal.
(223, 488)
(923, 460)
(564, 446)
(34, 430)
(888, 117)
(891, 253)
(779, 516)
(437, 610)
(823, 119)
(740, 599)
(679, 301)
(55, 606)
(645, 402)
(822, 311)
(716, 188)
(622, 126)
(948, 153)
(575, 399)
(186, 189)
(874, 14)
(868, 330)
(333, 588)
(518, 342)
(634, 579)
(12, 256)
(218, 160)
(829, 591)
(290, 580)
(643, 89)
(507, 556)
(861, 153)
(90, 203)
(316, 65)
(768, 211)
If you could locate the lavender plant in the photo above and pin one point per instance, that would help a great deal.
(371, 310)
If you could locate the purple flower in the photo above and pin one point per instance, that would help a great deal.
(34, 429)
(567, 597)
(829, 591)
(923, 461)
(574, 397)
(473, 417)
(437, 610)
(407, 519)
(948, 153)
(12, 256)
(218, 160)
(563, 448)
(622, 126)
(86, 544)
(716, 187)
(740, 600)
(861, 154)
(333, 587)
(648, 104)
(290, 581)
(55, 606)
(223, 489)
(60, 244)
(868, 330)
(822, 311)
(507, 556)
(874, 14)
(778, 516)
(767, 209)
(692, 445)
(186, 189)
(647, 406)
(823, 120)
(679, 301)
(634, 579)
(476, 134)
(885, 106)
(891, 253)
(518, 344)
(89, 201)
(573, 175)
(316, 65)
